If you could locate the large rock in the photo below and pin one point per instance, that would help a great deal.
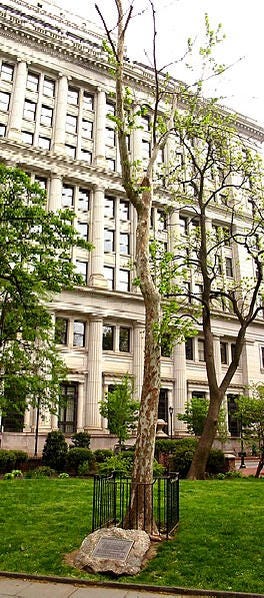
(113, 550)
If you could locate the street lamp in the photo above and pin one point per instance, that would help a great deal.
(171, 414)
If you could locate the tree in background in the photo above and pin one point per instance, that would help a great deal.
(195, 415)
(35, 261)
(121, 410)
(250, 412)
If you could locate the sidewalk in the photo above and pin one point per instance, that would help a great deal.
(17, 586)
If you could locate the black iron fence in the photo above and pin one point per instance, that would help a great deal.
(111, 497)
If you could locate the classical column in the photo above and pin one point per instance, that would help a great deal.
(94, 383)
(173, 228)
(217, 358)
(80, 413)
(179, 375)
(137, 142)
(54, 421)
(97, 278)
(138, 358)
(18, 101)
(60, 116)
(54, 200)
(100, 129)
(27, 419)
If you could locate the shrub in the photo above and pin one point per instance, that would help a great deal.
(21, 457)
(84, 469)
(55, 451)
(216, 462)
(165, 446)
(63, 475)
(76, 456)
(7, 460)
(44, 471)
(181, 458)
(101, 455)
(116, 463)
(9, 476)
(81, 439)
(158, 469)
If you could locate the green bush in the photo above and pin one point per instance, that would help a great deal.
(63, 475)
(21, 457)
(165, 446)
(216, 462)
(101, 455)
(76, 456)
(181, 458)
(44, 471)
(81, 440)
(7, 460)
(9, 476)
(158, 469)
(84, 469)
(116, 463)
(55, 451)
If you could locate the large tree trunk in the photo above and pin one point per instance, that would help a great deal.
(199, 462)
(140, 514)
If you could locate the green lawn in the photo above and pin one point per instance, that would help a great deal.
(219, 543)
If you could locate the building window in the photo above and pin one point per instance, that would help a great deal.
(86, 156)
(109, 207)
(4, 101)
(110, 137)
(201, 350)
(233, 347)
(68, 408)
(110, 108)
(124, 243)
(44, 142)
(46, 116)
(145, 149)
(234, 426)
(2, 130)
(109, 276)
(73, 96)
(262, 357)
(109, 240)
(42, 182)
(124, 339)
(29, 110)
(70, 150)
(83, 200)
(67, 197)
(110, 164)
(183, 222)
(163, 404)
(124, 280)
(229, 267)
(108, 338)
(88, 101)
(162, 220)
(189, 354)
(61, 331)
(27, 137)
(124, 210)
(32, 82)
(82, 228)
(7, 72)
(71, 124)
(78, 334)
(48, 87)
(87, 129)
(165, 346)
(82, 269)
(223, 351)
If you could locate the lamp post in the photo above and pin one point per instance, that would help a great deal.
(242, 453)
(171, 414)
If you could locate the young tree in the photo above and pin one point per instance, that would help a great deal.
(121, 410)
(220, 173)
(35, 250)
(195, 416)
(250, 411)
(139, 185)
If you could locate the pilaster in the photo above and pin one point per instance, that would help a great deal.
(179, 374)
(17, 108)
(100, 129)
(60, 115)
(94, 382)
(97, 278)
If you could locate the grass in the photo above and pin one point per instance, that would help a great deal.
(219, 543)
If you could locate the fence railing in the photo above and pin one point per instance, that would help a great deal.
(111, 497)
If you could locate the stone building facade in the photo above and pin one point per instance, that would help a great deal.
(55, 97)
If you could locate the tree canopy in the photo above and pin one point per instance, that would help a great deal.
(35, 261)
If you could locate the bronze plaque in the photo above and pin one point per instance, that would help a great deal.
(113, 548)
